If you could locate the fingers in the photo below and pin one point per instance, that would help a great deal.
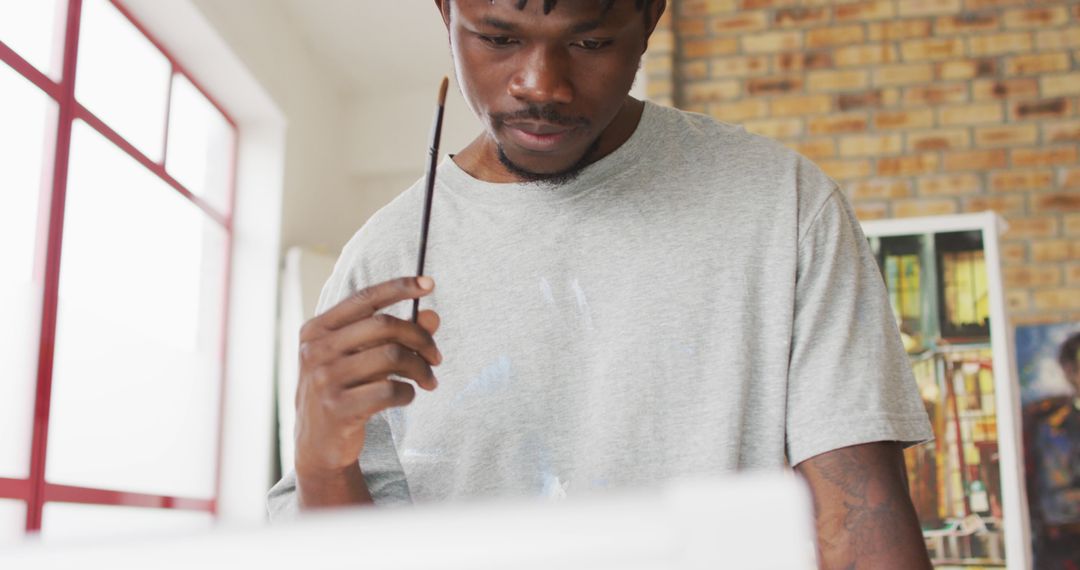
(369, 399)
(376, 364)
(429, 320)
(367, 301)
(375, 331)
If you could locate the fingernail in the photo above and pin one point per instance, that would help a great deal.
(425, 282)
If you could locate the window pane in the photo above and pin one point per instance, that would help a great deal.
(68, 521)
(12, 521)
(122, 78)
(27, 120)
(137, 371)
(200, 144)
(34, 29)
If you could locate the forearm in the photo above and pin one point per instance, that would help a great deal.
(322, 490)
(864, 515)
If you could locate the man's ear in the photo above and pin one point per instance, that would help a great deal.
(653, 13)
(444, 10)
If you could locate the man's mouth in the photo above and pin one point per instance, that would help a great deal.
(538, 136)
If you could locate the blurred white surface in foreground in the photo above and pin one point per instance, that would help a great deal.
(750, 522)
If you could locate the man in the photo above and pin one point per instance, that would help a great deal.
(1052, 465)
(626, 293)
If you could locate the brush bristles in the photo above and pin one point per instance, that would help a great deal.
(442, 91)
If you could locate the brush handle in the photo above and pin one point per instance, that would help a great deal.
(433, 163)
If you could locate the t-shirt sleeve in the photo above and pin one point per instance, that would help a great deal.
(849, 378)
(379, 460)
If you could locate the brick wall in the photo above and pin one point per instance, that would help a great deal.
(915, 107)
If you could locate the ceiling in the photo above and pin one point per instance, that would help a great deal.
(372, 46)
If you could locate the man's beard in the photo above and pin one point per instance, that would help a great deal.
(559, 178)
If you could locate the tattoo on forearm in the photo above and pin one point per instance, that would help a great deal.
(870, 516)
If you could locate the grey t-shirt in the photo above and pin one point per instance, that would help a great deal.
(699, 301)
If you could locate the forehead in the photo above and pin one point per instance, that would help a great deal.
(533, 13)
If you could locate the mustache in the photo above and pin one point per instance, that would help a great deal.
(545, 113)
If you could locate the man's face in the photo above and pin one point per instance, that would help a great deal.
(545, 86)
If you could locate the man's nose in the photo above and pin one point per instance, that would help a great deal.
(544, 78)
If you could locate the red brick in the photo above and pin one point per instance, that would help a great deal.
(1000, 203)
(1006, 135)
(966, 23)
(936, 94)
(939, 139)
(1038, 63)
(1057, 299)
(739, 66)
(846, 169)
(932, 49)
(910, 8)
(1000, 44)
(738, 23)
(801, 61)
(913, 119)
(914, 208)
(1041, 109)
(774, 85)
(1055, 250)
(966, 69)
(860, 55)
(802, 105)
(996, 89)
(879, 189)
(863, 11)
(772, 42)
(903, 74)
(895, 30)
(1031, 276)
(910, 165)
(1058, 132)
(1034, 18)
(801, 16)
(838, 123)
(1025, 157)
(816, 149)
(1033, 227)
(1055, 202)
(975, 160)
(863, 99)
(950, 185)
(1012, 180)
(871, 145)
(974, 114)
(835, 36)
(1013, 252)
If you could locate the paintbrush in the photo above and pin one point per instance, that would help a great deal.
(429, 184)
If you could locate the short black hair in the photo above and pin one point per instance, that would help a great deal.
(1068, 353)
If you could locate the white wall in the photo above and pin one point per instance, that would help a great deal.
(387, 137)
(318, 206)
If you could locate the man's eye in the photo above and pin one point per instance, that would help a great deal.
(593, 44)
(498, 41)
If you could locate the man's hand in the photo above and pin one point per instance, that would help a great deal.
(864, 515)
(346, 357)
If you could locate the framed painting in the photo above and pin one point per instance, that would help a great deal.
(943, 276)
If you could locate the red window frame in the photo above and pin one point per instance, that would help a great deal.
(35, 491)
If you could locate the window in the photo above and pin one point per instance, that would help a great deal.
(117, 172)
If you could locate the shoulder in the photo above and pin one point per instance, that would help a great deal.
(765, 168)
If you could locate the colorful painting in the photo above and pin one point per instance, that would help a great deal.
(942, 281)
(1048, 359)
